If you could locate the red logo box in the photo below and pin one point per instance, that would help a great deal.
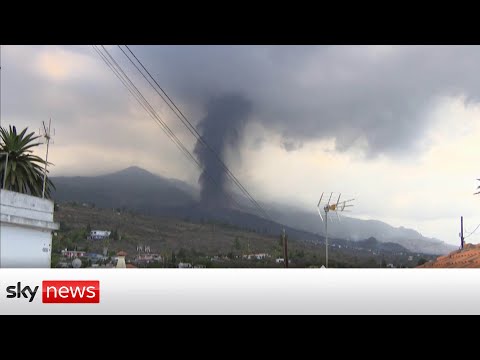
(70, 292)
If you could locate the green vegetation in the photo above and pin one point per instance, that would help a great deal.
(422, 261)
(199, 244)
(24, 170)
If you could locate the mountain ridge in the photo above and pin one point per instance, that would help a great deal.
(140, 190)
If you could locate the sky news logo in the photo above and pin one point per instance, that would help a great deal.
(58, 292)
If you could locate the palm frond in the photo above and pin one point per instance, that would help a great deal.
(25, 171)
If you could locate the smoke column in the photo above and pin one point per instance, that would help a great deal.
(221, 127)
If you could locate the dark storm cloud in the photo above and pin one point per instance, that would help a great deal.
(375, 95)
(365, 95)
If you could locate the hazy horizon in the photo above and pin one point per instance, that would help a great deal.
(397, 126)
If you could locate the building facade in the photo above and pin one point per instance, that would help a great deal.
(26, 225)
(99, 234)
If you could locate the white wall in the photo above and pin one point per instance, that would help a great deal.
(23, 247)
(26, 225)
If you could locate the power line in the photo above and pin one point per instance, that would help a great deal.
(152, 111)
(192, 128)
(143, 102)
(138, 96)
(472, 231)
(147, 106)
(130, 86)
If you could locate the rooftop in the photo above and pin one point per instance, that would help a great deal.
(468, 257)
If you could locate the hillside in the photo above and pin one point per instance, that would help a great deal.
(374, 244)
(208, 243)
(139, 190)
(133, 187)
(357, 229)
(468, 257)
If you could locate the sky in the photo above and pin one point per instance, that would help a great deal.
(398, 127)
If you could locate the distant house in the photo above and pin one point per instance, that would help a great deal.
(390, 266)
(279, 260)
(256, 256)
(145, 248)
(148, 258)
(73, 253)
(99, 234)
(184, 265)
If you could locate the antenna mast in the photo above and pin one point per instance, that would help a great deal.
(327, 207)
(47, 136)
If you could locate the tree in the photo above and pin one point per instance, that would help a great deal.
(237, 244)
(182, 254)
(24, 170)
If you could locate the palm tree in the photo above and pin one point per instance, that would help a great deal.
(24, 171)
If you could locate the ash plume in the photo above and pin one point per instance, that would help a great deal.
(220, 128)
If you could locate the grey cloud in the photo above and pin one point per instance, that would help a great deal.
(351, 94)
(26, 93)
(305, 93)
(88, 109)
(289, 145)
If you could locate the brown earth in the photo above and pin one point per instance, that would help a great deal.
(468, 257)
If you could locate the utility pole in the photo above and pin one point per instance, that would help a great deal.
(326, 239)
(285, 248)
(462, 239)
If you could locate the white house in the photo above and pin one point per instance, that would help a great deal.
(73, 253)
(99, 234)
(256, 256)
(26, 225)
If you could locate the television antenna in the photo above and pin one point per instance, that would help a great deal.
(327, 206)
(46, 133)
